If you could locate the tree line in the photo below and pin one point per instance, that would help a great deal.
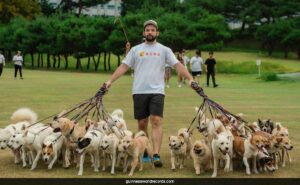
(61, 32)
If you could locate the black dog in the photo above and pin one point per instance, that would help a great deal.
(266, 125)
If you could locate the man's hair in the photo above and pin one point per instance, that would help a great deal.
(198, 52)
(211, 52)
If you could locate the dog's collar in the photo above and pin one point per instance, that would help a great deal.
(55, 140)
(105, 147)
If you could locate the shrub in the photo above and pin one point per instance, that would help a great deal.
(269, 76)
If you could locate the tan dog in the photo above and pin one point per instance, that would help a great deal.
(249, 148)
(281, 131)
(135, 146)
(178, 150)
(187, 135)
(201, 155)
(72, 132)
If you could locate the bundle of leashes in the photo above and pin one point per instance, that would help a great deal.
(212, 108)
(92, 108)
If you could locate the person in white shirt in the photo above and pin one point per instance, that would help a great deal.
(196, 66)
(2, 63)
(18, 61)
(148, 60)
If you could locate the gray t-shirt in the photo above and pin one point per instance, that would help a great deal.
(148, 62)
(196, 63)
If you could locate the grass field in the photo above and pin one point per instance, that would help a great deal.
(49, 92)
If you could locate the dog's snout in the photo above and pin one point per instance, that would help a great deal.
(227, 148)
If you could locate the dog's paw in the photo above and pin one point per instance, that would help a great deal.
(214, 175)
(49, 167)
(197, 172)
(173, 169)
(181, 167)
(248, 172)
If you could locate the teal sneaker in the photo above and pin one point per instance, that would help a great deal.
(157, 161)
(146, 158)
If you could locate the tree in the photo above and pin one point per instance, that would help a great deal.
(13, 8)
(70, 5)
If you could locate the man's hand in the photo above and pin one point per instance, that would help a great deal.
(108, 84)
(197, 88)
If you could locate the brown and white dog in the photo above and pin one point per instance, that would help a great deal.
(52, 147)
(135, 146)
(249, 148)
(201, 155)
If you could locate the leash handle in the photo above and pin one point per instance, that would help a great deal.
(198, 89)
(103, 89)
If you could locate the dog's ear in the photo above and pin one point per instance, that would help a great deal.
(57, 130)
(278, 127)
(133, 135)
(181, 134)
(51, 146)
(23, 127)
(44, 146)
(169, 138)
(14, 128)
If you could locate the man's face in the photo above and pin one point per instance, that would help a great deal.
(150, 33)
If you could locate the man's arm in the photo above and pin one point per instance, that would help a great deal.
(119, 72)
(183, 71)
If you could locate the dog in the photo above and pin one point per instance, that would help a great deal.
(31, 139)
(20, 119)
(249, 148)
(72, 132)
(89, 143)
(52, 147)
(187, 135)
(178, 150)
(109, 145)
(222, 145)
(266, 125)
(201, 155)
(265, 162)
(135, 146)
(281, 131)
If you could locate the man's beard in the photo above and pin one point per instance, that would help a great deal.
(150, 38)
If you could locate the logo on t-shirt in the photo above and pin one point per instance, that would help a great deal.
(142, 53)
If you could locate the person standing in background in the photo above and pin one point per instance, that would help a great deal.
(210, 69)
(18, 61)
(2, 63)
(196, 66)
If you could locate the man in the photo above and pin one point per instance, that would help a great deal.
(2, 63)
(196, 66)
(148, 60)
(210, 69)
(18, 60)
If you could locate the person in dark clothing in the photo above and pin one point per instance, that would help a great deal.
(210, 69)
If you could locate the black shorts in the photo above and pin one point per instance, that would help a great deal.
(148, 104)
(196, 73)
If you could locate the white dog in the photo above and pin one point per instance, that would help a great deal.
(20, 119)
(222, 144)
(109, 146)
(90, 144)
(32, 138)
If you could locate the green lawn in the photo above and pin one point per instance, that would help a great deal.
(49, 92)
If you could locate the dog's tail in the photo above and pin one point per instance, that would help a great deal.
(24, 114)
(118, 112)
(139, 134)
